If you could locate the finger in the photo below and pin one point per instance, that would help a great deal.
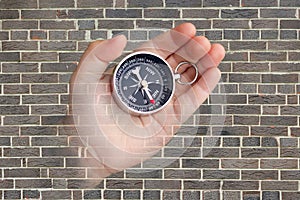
(169, 42)
(96, 58)
(192, 51)
(187, 103)
(212, 59)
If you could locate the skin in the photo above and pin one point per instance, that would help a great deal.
(177, 45)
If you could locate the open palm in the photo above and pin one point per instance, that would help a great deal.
(118, 139)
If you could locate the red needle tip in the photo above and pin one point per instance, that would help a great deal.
(152, 101)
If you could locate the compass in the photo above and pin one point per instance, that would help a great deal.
(144, 83)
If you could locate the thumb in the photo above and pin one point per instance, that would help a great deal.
(96, 58)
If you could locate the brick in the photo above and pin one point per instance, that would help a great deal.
(289, 24)
(69, 57)
(211, 195)
(259, 152)
(269, 131)
(20, 67)
(4, 35)
(145, 4)
(283, 45)
(40, 99)
(49, 141)
(9, 100)
(289, 152)
(48, 109)
(231, 142)
(21, 152)
(251, 195)
(21, 120)
(214, 35)
(264, 24)
(31, 194)
(20, 141)
(181, 174)
(14, 110)
(56, 194)
(45, 162)
(279, 120)
(9, 78)
(200, 13)
(9, 131)
(9, 56)
(240, 185)
(201, 185)
(126, 184)
(39, 78)
(277, 13)
(239, 13)
(39, 56)
(6, 184)
(200, 163)
(154, 24)
(266, 99)
(67, 173)
(245, 45)
(239, 163)
(22, 173)
(221, 174)
(221, 152)
(51, 88)
(19, 24)
(57, 35)
(5, 141)
(12, 194)
(116, 194)
(288, 34)
(215, 3)
(290, 174)
(16, 89)
(33, 183)
(258, 3)
(38, 14)
(9, 14)
(184, 3)
(269, 142)
(286, 89)
(280, 78)
(290, 3)
(84, 184)
(237, 24)
(247, 88)
(121, 13)
(279, 185)
(211, 141)
(268, 56)
(245, 78)
(246, 120)
(251, 141)
(38, 130)
(265, 89)
(92, 194)
(290, 195)
(56, 4)
(58, 46)
(171, 195)
(94, 4)
(7, 4)
(10, 162)
(115, 24)
(86, 24)
(279, 163)
(285, 67)
(229, 195)
(230, 130)
(270, 195)
(63, 151)
(141, 173)
(232, 34)
(250, 34)
(250, 67)
(19, 35)
(245, 109)
(259, 174)
(57, 25)
(161, 13)
(85, 13)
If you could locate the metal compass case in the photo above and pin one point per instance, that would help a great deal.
(144, 83)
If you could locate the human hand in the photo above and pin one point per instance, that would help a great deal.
(118, 139)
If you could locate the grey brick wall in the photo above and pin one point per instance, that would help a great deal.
(253, 155)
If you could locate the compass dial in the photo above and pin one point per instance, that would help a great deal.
(143, 83)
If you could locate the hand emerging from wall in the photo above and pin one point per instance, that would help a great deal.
(118, 139)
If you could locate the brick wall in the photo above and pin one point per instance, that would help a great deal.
(254, 154)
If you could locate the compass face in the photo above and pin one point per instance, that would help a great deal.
(143, 83)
